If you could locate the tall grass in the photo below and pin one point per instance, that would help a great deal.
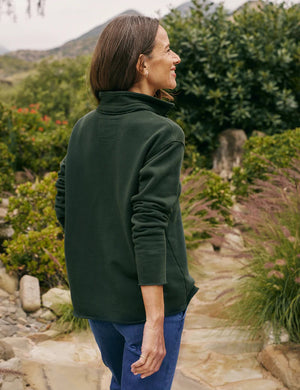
(68, 322)
(269, 288)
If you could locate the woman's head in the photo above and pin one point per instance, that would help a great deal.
(123, 55)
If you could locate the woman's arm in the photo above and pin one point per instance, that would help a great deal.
(153, 346)
(159, 188)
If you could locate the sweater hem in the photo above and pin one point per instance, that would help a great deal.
(121, 321)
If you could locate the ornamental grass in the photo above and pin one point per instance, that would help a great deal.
(268, 291)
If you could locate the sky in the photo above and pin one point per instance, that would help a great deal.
(68, 19)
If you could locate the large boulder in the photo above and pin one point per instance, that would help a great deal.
(56, 297)
(30, 293)
(283, 361)
(229, 153)
(8, 283)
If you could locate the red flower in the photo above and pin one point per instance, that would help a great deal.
(58, 122)
(33, 111)
(33, 139)
(65, 122)
(20, 109)
(41, 129)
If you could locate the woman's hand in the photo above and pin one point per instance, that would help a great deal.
(153, 345)
(153, 350)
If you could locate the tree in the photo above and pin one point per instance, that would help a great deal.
(240, 73)
(60, 87)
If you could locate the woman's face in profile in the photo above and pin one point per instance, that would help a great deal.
(161, 64)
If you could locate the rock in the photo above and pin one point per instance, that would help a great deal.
(8, 330)
(8, 283)
(237, 211)
(3, 212)
(6, 351)
(5, 202)
(269, 335)
(23, 177)
(59, 376)
(265, 384)
(229, 153)
(3, 294)
(12, 375)
(56, 297)
(20, 345)
(283, 361)
(182, 382)
(13, 384)
(6, 232)
(233, 243)
(48, 315)
(44, 336)
(257, 133)
(20, 313)
(30, 293)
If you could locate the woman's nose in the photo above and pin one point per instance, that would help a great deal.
(177, 59)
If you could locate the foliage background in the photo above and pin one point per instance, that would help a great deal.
(239, 72)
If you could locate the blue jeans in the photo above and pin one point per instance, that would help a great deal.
(120, 346)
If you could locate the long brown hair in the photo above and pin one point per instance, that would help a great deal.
(113, 65)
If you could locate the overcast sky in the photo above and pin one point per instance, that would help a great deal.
(67, 19)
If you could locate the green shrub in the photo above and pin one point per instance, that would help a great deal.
(241, 72)
(60, 87)
(6, 169)
(269, 289)
(37, 245)
(263, 155)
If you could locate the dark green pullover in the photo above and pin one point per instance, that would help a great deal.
(118, 201)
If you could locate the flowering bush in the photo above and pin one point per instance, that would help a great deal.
(37, 245)
(270, 284)
(30, 141)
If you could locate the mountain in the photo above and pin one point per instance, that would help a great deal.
(184, 8)
(83, 45)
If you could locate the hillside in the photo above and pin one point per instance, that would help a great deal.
(83, 45)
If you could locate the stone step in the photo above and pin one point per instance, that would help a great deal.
(57, 376)
(182, 382)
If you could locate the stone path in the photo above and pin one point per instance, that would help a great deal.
(212, 357)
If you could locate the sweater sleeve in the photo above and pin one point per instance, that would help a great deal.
(60, 195)
(159, 189)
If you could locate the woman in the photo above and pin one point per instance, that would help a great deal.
(118, 201)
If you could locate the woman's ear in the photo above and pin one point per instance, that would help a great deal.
(141, 66)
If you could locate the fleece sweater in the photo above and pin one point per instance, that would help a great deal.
(117, 199)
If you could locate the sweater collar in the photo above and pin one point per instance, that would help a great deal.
(122, 102)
